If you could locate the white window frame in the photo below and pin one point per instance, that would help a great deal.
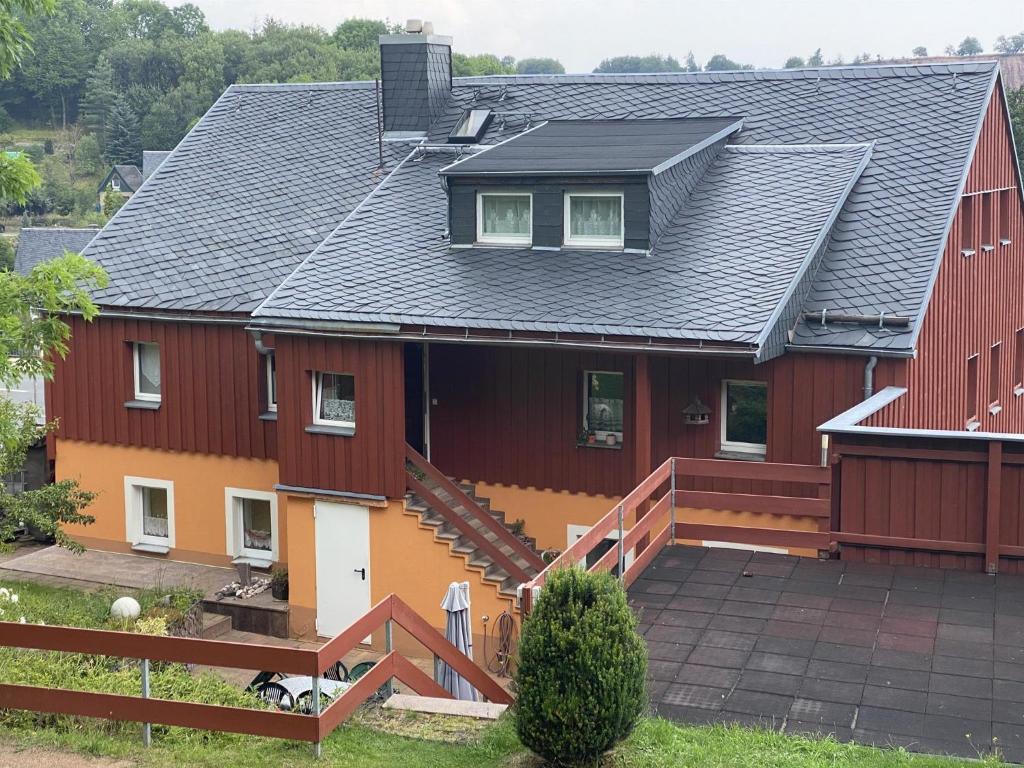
(115, 183)
(133, 513)
(235, 528)
(593, 242)
(526, 239)
(736, 446)
(602, 434)
(139, 394)
(270, 364)
(317, 395)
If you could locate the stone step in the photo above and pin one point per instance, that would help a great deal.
(215, 625)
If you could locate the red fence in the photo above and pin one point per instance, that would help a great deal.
(286, 725)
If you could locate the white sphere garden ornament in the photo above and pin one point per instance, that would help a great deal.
(125, 608)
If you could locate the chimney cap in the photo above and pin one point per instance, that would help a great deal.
(413, 26)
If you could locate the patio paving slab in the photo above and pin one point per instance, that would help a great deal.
(927, 659)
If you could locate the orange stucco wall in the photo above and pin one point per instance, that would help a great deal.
(199, 483)
(298, 512)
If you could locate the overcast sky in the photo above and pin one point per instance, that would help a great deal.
(760, 32)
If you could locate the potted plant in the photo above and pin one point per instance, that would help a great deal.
(279, 584)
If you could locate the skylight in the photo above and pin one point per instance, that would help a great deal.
(471, 126)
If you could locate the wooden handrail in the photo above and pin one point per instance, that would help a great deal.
(474, 509)
(754, 470)
(467, 530)
(633, 536)
(761, 504)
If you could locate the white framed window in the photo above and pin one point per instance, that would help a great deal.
(603, 405)
(744, 419)
(115, 183)
(251, 525)
(594, 219)
(504, 218)
(149, 513)
(146, 363)
(334, 399)
(271, 373)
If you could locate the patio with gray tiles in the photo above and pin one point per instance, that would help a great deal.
(928, 659)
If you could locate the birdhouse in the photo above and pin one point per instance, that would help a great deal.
(697, 413)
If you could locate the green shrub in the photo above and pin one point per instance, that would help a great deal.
(580, 678)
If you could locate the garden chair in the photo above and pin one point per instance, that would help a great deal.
(276, 694)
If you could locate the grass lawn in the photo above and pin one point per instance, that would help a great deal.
(374, 737)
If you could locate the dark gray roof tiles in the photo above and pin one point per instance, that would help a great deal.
(888, 240)
(151, 159)
(39, 244)
(260, 181)
(131, 175)
(572, 147)
(717, 274)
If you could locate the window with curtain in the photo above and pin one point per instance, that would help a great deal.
(147, 370)
(256, 526)
(504, 218)
(745, 416)
(335, 400)
(603, 405)
(593, 220)
(154, 512)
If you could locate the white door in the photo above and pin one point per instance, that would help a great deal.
(342, 565)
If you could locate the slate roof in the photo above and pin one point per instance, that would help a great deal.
(131, 175)
(39, 244)
(389, 263)
(260, 181)
(571, 147)
(151, 159)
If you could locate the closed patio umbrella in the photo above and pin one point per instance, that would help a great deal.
(459, 634)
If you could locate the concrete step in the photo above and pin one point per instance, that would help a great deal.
(215, 625)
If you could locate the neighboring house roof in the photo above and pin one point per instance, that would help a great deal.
(260, 181)
(718, 272)
(39, 244)
(293, 162)
(151, 160)
(572, 147)
(130, 176)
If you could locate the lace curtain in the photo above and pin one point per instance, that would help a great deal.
(506, 215)
(595, 216)
(149, 368)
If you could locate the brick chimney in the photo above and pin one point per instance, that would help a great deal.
(416, 78)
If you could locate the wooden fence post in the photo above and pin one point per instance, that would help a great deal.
(992, 503)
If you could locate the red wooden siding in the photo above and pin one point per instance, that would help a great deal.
(512, 416)
(372, 461)
(211, 380)
(977, 302)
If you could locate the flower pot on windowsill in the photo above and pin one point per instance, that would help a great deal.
(279, 584)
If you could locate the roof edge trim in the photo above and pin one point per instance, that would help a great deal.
(729, 130)
(448, 168)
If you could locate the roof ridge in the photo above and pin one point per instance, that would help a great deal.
(339, 85)
(797, 148)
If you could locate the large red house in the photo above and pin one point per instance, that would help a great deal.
(540, 286)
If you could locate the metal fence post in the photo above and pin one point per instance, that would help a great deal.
(672, 506)
(314, 694)
(147, 728)
(621, 552)
(388, 647)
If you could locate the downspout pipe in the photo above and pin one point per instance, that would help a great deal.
(257, 339)
(869, 376)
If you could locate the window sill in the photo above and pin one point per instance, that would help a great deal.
(995, 408)
(1004, 241)
(616, 447)
(1018, 391)
(972, 425)
(263, 564)
(739, 455)
(153, 549)
(325, 429)
(143, 405)
(268, 416)
(988, 248)
(967, 252)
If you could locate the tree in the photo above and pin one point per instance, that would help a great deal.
(969, 46)
(1015, 100)
(359, 34)
(1011, 44)
(479, 64)
(690, 64)
(655, 62)
(124, 138)
(721, 63)
(920, 52)
(542, 66)
(15, 39)
(6, 253)
(32, 331)
(189, 20)
(100, 98)
(56, 70)
(794, 62)
(816, 59)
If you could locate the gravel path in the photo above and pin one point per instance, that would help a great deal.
(13, 756)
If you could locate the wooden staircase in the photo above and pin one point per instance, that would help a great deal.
(471, 528)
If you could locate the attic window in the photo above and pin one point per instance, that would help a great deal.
(471, 126)
(593, 219)
(504, 218)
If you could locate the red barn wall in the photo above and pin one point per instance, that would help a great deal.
(211, 399)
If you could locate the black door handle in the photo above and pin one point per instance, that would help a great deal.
(361, 572)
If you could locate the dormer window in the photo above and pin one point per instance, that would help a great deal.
(504, 218)
(593, 220)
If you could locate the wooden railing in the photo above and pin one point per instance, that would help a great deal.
(503, 534)
(217, 653)
(660, 499)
